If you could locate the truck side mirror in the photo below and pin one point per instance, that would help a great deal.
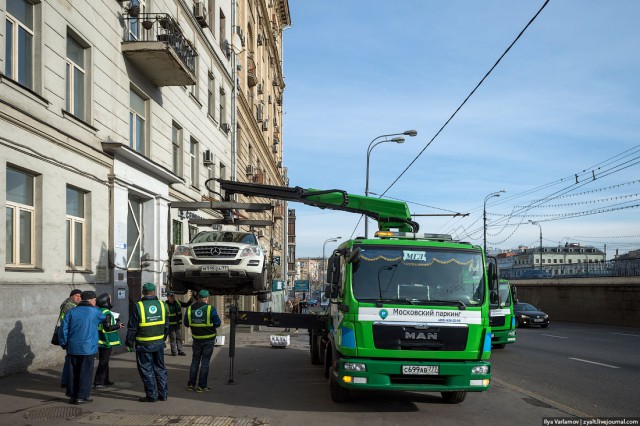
(354, 255)
(330, 291)
(333, 269)
(514, 293)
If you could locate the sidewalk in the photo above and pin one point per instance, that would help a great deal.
(36, 397)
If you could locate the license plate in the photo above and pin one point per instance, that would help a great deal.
(431, 370)
(537, 320)
(215, 268)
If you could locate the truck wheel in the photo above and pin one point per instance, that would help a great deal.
(455, 397)
(499, 346)
(316, 359)
(338, 393)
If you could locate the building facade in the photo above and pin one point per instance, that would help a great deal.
(109, 111)
(570, 259)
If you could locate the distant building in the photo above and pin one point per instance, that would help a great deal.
(570, 259)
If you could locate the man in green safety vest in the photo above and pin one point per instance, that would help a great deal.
(174, 311)
(203, 320)
(108, 338)
(147, 331)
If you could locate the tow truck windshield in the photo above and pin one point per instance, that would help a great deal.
(414, 275)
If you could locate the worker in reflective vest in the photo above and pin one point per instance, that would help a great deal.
(147, 331)
(108, 338)
(174, 311)
(203, 320)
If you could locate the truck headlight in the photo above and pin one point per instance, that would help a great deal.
(480, 369)
(354, 366)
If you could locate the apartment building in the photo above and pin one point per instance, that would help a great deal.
(109, 111)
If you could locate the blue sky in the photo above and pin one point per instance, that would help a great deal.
(564, 101)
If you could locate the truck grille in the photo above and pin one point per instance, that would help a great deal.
(403, 337)
(398, 379)
(215, 251)
(216, 262)
(496, 321)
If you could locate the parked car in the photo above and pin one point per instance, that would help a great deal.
(223, 262)
(312, 302)
(528, 315)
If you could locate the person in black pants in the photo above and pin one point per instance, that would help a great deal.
(108, 337)
(78, 336)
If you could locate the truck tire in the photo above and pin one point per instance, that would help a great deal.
(454, 397)
(316, 358)
(338, 393)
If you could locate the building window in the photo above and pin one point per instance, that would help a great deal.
(133, 23)
(193, 161)
(75, 228)
(223, 101)
(177, 232)
(211, 96)
(195, 88)
(19, 42)
(134, 232)
(211, 16)
(75, 102)
(176, 142)
(20, 212)
(223, 171)
(193, 231)
(223, 31)
(137, 122)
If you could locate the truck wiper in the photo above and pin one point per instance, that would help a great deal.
(379, 302)
(458, 303)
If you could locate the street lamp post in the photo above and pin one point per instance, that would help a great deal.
(324, 263)
(369, 149)
(539, 226)
(484, 216)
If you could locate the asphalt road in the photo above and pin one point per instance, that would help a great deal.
(592, 369)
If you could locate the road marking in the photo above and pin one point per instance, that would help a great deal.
(593, 362)
(557, 337)
(624, 334)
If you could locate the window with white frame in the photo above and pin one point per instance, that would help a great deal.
(223, 31)
(193, 231)
(19, 34)
(133, 23)
(223, 101)
(211, 96)
(177, 232)
(193, 161)
(137, 122)
(75, 228)
(195, 88)
(76, 77)
(176, 142)
(20, 214)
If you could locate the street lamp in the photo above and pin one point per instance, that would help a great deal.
(372, 145)
(484, 215)
(539, 226)
(324, 263)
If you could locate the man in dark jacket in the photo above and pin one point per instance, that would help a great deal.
(108, 338)
(203, 320)
(147, 331)
(79, 336)
(174, 311)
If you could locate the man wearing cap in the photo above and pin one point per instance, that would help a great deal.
(68, 304)
(174, 311)
(78, 335)
(203, 320)
(147, 331)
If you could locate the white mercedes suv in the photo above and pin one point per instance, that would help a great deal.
(222, 262)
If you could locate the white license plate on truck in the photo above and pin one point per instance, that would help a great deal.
(425, 370)
(215, 268)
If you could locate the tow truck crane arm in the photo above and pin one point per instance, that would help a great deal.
(390, 214)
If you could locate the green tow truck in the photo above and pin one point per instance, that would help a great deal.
(502, 318)
(407, 312)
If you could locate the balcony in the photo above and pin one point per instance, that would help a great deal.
(252, 76)
(155, 45)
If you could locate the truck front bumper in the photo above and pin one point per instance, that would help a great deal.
(501, 337)
(388, 375)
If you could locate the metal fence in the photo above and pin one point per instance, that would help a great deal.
(610, 268)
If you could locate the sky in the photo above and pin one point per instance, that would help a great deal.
(556, 124)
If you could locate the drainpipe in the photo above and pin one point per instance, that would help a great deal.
(234, 97)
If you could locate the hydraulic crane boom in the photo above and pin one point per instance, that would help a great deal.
(390, 214)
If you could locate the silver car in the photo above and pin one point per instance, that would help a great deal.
(223, 262)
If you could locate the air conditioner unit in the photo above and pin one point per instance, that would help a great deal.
(260, 39)
(250, 170)
(207, 157)
(226, 48)
(226, 127)
(265, 125)
(259, 88)
(200, 12)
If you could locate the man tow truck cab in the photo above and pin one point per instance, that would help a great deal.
(408, 312)
(502, 318)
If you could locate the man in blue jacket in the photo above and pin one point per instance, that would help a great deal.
(78, 334)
